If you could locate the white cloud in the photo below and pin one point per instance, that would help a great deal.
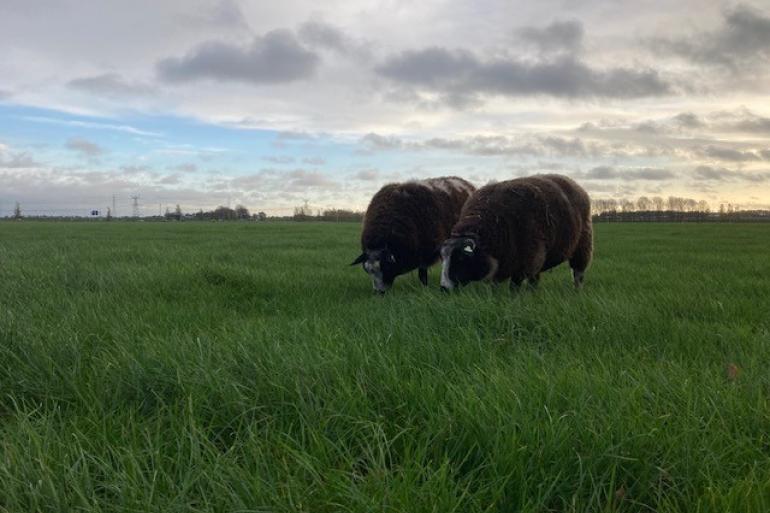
(92, 125)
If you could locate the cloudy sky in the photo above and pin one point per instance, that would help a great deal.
(270, 104)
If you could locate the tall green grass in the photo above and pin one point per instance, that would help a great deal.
(246, 367)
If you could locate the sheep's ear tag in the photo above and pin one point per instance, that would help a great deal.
(468, 249)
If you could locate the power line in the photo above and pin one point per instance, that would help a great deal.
(135, 204)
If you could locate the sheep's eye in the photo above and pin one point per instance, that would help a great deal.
(468, 250)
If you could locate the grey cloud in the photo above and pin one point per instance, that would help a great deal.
(752, 124)
(710, 173)
(135, 170)
(648, 173)
(765, 154)
(601, 173)
(171, 179)
(111, 85)
(228, 13)
(482, 145)
(477, 145)
(688, 120)
(302, 179)
(4, 95)
(459, 75)
(276, 180)
(628, 174)
(742, 40)
(289, 135)
(664, 137)
(720, 174)
(367, 175)
(647, 127)
(247, 182)
(314, 161)
(492, 145)
(273, 58)
(319, 34)
(564, 146)
(187, 167)
(85, 147)
(323, 34)
(17, 160)
(382, 142)
(279, 159)
(559, 35)
(729, 154)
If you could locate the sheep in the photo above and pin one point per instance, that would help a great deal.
(405, 225)
(517, 229)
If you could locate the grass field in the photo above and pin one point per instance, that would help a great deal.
(246, 367)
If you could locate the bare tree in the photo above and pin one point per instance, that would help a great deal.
(17, 211)
(626, 205)
(643, 203)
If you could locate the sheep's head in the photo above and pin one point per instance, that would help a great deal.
(464, 261)
(382, 266)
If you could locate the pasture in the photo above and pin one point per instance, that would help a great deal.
(246, 367)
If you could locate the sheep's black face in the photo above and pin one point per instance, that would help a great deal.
(463, 261)
(381, 265)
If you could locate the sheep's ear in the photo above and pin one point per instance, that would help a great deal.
(359, 259)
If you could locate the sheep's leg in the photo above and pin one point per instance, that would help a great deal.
(516, 282)
(535, 265)
(423, 274)
(581, 258)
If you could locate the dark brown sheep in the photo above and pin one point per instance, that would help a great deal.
(405, 225)
(517, 229)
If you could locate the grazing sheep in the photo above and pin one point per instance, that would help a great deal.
(517, 229)
(405, 225)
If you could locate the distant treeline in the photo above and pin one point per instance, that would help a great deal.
(673, 216)
(239, 213)
(643, 209)
(331, 215)
(671, 209)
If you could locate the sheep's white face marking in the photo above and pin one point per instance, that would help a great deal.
(374, 269)
(382, 267)
(463, 262)
(445, 263)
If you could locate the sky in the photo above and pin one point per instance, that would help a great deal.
(273, 104)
